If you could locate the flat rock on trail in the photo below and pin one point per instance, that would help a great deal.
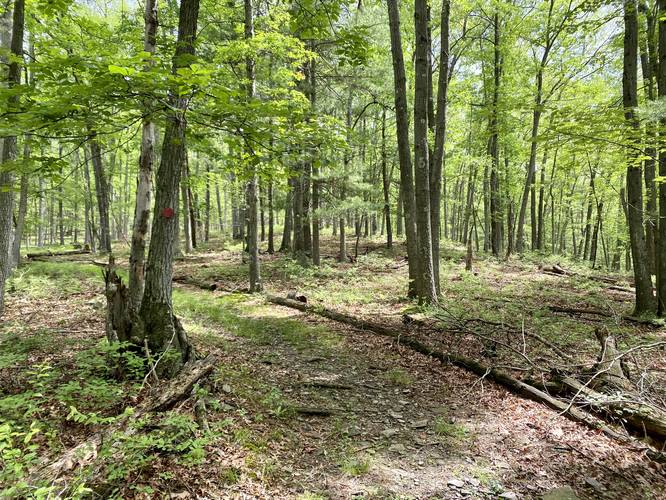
(371, 419)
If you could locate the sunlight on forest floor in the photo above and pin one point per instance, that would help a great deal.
(390, 424)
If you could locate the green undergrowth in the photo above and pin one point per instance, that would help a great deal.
(40, 280)
(236, 315)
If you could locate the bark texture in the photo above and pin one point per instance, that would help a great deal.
(9, 152)
(159, 326)
(144, 178)
(404, 153)
(644, 297)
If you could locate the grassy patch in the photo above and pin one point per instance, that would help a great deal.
(46, 279)
(356, 465)
(443, 427)
(398, 376)
(236, 316)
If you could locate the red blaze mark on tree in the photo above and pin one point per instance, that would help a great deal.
(167, 212)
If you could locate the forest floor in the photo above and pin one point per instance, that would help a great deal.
(392, 423)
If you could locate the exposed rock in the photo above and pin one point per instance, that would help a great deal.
(455, 483)
(561, 493)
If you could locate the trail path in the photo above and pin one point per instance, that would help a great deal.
(404, 426)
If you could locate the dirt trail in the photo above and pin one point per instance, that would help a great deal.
(404, 426)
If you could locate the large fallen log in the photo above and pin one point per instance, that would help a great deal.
(514, 385)
(40, 255)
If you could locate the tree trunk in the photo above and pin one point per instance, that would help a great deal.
(426, 287)
(144, 189)
(404, 153)
(220, 220)
(540, 216)
(207, 203)
(316, 183)
(496, 216)
(285, 245)
(588, 219)
(191, 204)
(159, 326)
(102, 191)
(649, 67)
(644, 297)
(252, 185)
(271, 221)
(386, 183)
(9, 151)
(185, 202)
(90, 212)
(22, 211)
(437, 164)
(299, 243)
(661, 253)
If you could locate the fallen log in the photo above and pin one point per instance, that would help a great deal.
(210, 286)
(81, 251)
(605, 314)
(514, 385)
(640, 417)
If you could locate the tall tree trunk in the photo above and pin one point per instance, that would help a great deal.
(536, 119)
(41, 208)
(399, 215)
(649, 68)
(588, 218)
(271, 219)
(191, 204)
(316, 183)
(159, 325)
(9, 152)
(299, 243)
(102, 192)
(342, 253)
(496, 216)
(386, 183)
(644, 297)
(404, 153)
(220, 220)
(661, 80)
(90, 212)
(252, 185)
(22, 210)
(185, 202)
(540, 215)
(285, 245)
(426, 287)
(437, 167)
(207, 205)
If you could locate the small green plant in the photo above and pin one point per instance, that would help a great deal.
(356, 466)
(398, 376)
(443, 427)
(277, 405)
(307, 495)
(230, 475)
